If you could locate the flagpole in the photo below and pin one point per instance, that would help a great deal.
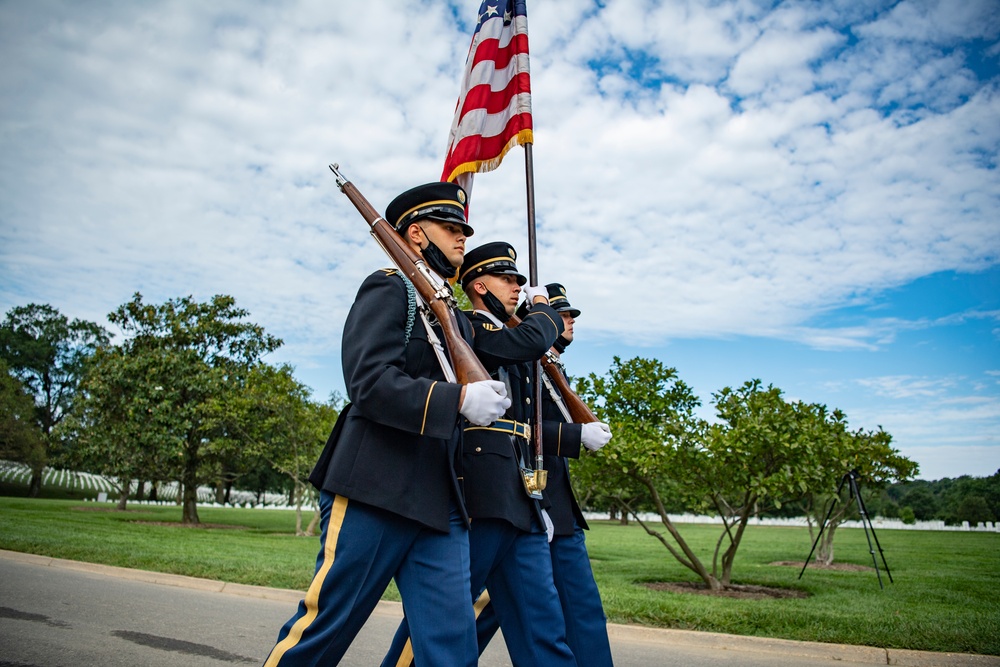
(536, 369)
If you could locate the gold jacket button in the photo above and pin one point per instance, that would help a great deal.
(528, 401)
(479, 449)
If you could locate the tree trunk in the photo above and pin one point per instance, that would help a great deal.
(189, 508)
(35, 485)
(189, 512)
(140, 490)
(298, 507)
(824, 551)
(126, 486)
(152, 491)
(311, 528)
(220, 492)
(686, 556)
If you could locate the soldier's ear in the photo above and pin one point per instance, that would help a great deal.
(413, 233)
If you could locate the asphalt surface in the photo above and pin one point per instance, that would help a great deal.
(61, 613)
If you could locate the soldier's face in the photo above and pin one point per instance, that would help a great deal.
(504, 288)
(448, 237)
(568, 324)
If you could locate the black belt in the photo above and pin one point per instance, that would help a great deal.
(505, 426)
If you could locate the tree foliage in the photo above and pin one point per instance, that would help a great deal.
(869, 455)
(46, 352)
(20, 438)
(156, 404)
(952, 500)
(277, 424)
(761, 452)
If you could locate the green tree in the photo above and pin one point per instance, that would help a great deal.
(20, 438)
(278, 423)
(176, 369)
(876, 463)
(124, 425)
(973, 509)
(651, 412)
(761, 452)
(919, 498)
(46, 351)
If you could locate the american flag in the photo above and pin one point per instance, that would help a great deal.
(493, 113)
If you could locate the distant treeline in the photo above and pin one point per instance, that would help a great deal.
(972, 499)
(965, 498)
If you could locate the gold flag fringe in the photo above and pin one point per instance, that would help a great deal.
(482, 166)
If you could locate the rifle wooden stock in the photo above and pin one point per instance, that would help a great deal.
(579, 411)
(467, 366)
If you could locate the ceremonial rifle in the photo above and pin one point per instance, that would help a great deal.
(438, 296)
(579, 411)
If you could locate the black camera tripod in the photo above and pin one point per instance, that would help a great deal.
(851, 479)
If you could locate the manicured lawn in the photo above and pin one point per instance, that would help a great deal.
(945, 595)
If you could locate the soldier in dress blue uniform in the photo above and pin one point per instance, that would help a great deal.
(389, 477)
(508, 542)
(586, 624)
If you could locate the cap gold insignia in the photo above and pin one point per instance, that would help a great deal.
(461, 198)
(513, 255)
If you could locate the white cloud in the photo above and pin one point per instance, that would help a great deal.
(721, 170)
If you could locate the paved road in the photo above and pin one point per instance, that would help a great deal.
(57, 613)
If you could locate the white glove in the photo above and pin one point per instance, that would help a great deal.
(550, 530)
(485, 402)
(533, 291)
(595, 435)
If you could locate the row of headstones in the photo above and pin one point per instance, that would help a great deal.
(877, 522)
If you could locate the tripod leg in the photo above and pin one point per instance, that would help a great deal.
(833, 502)
(865, 521)
(864, 514)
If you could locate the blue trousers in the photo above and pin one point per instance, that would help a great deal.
(586, 624)
(516, 569)
(363, 548)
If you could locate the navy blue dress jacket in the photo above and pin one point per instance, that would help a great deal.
(492, 458)
(398, 446)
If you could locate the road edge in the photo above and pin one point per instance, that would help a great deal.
(866, 655)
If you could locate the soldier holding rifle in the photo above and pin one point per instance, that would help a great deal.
(508, 540)
(568, 427)
(391, 501)
(586, 624)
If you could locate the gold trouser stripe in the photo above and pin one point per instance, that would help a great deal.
(406, 657)
(484, 599)
(312, 595)
(559, 441)
(427, 405)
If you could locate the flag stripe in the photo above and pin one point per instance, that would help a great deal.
(492, 124)
(476, 146)
(493, 112)
(500, 53)
(482, 165)
(484, 98)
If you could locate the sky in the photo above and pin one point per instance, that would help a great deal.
(804, 193)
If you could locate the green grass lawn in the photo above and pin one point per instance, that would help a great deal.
(945, 595)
